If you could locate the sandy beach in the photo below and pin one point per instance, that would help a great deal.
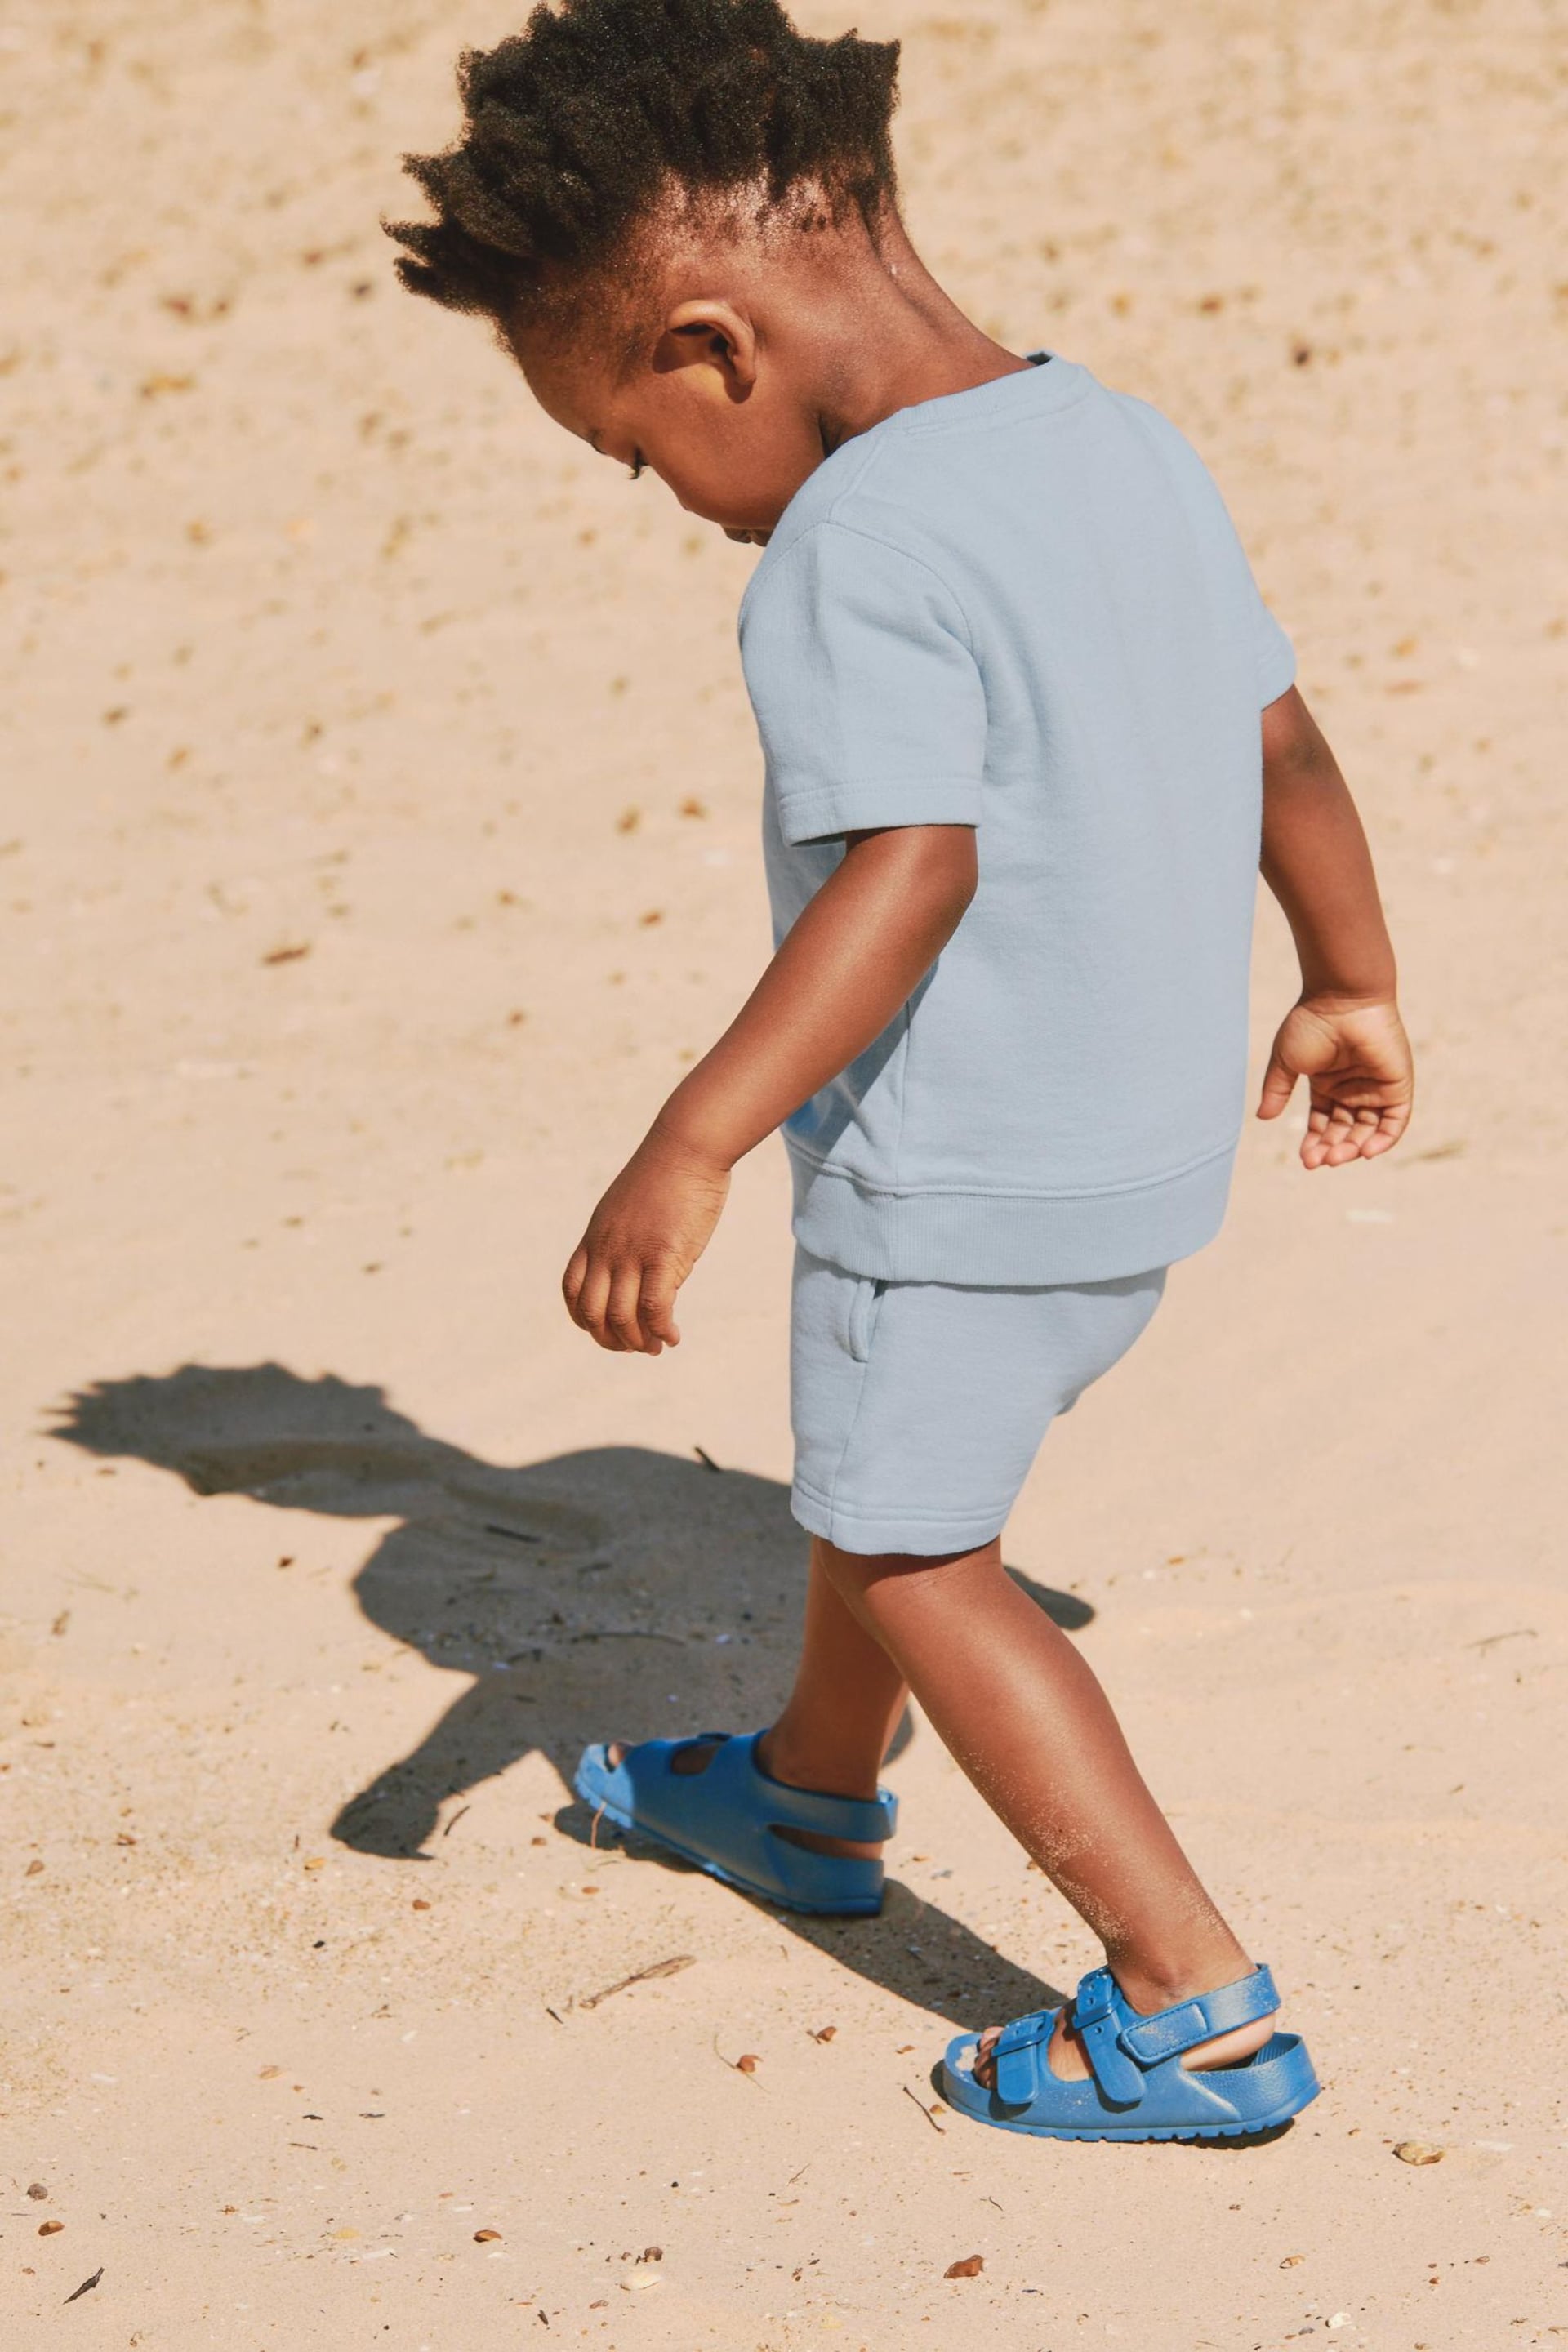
(378, 842)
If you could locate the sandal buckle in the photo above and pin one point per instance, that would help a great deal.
(1095, 1999)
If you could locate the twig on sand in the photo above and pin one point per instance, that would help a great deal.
(626, 1633)
(671, 1968)
(456, 1817)
(1519, 1633)
(929, 2113)
(87, 2285)
(707, 1460)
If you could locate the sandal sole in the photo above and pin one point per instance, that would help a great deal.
(1248, 2130)
(1247, 2127)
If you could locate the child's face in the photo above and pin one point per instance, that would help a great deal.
(721, 427)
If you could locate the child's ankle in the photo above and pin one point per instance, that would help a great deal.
(799, 1767)
(1149, 1988)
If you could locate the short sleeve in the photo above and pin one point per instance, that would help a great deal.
(1275, 655)
(866, 695)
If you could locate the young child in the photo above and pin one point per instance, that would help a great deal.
(1026, 724)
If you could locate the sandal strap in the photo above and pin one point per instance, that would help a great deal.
(1097, 2018)
(1184, 2026)
(866, 1819)
(1019, 2057)
(1121, 2044)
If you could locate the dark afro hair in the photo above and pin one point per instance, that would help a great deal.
(574, 128)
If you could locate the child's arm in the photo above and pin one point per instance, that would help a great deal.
(1344, 1035)
(853, 958)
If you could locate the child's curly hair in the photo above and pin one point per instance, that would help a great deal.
(574, 128)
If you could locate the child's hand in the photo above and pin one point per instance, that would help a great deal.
(1356, 1061)
(643, 1240)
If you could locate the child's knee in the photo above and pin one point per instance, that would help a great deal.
(868, 1580)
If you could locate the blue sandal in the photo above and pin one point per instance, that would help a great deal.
(1139, 2088)
(724, 1819)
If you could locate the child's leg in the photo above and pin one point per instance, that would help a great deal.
(1020, 1710)
(848, 1696)
(886, 1452)
(840, 1717)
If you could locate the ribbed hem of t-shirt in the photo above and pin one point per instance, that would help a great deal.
(996, 1239)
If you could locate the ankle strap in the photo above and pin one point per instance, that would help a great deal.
(1181, 2027)
(1120, 2044)
(866, 1819)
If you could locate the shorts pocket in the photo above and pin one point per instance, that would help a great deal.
(863, 1305)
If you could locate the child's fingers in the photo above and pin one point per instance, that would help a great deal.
(623, 1323)
(1390, 1127)
(1373, 1130)
(1343, 1146)
(1330, 1129)
(1338, 1133)
(1326, 1121)
(592, 1296)
(625, 1306)
(1279, 1085)
(659, 1284)
(1315, 1149)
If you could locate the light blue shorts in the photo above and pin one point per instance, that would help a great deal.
(919, 1407)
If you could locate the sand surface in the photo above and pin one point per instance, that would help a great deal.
(378, 841)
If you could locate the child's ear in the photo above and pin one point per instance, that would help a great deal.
(712, 336)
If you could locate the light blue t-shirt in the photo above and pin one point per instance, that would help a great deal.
(1025, 608)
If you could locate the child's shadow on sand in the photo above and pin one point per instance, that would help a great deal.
(613, 1591)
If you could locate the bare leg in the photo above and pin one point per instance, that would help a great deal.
(1020, 1710)
(840, 1717)
(845, 1707)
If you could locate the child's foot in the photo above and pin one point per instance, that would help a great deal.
(1207, 2066)
(709, 1800)
(1065, 2054)
(697, 1755)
